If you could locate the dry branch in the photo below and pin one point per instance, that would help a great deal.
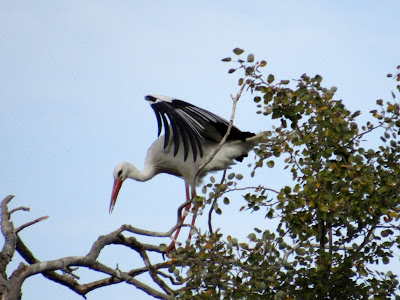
(11, 287)
(30, 223)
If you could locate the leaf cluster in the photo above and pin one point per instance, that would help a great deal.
(339, 216)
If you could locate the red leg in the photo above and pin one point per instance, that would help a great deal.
(187, 207)
(196, 207)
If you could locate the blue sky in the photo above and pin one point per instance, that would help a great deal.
(74, 74)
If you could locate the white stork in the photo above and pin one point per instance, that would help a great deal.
(192, 134)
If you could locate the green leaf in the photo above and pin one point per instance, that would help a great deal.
(287, 189)
(324, 208)
(271, 164)
(385, 260)
(250, 57)
(363, 272)
(384, 210)
(318, 78)
(280, 295)
(188, 295)
(238, 51)
(244, 246)
(263, 63)
(249, 72)
(252, 236)
(163, 247)
(261, 286)
(270, 279)
(270, 78)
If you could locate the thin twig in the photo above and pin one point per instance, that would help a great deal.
(153, 233)
(212, 205)
(251, 188)
(19, 208)
(30, 223)
(368, 238)
(235, 100)
(228, 131)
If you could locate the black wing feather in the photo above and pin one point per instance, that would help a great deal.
(194, 129)
(183, 134)
(192, 124)
(159, 125)
(184, 130)
(166, 129)
(165, 111)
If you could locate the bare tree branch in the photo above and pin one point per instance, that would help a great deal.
(19, 208)
(7, 229)
(30, 223)
(153, 273)
(11, 287)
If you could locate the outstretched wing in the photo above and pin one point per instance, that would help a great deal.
(190, 125)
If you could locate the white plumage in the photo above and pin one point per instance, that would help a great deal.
(192, 134)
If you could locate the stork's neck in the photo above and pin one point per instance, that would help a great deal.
(136, 174)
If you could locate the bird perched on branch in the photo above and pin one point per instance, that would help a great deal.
(191, 137)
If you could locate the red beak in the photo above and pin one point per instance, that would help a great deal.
(114, 195)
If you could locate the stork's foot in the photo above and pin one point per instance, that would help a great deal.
(187, 246)
(169, 248)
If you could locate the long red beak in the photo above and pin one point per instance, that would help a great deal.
(114, 195)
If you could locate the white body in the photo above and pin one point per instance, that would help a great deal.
(160, 160)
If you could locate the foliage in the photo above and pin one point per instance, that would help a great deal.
(338, 219)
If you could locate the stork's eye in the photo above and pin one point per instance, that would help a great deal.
(119, 173)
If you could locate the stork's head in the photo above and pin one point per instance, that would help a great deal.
(121, 172)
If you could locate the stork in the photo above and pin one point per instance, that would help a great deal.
(191, 136)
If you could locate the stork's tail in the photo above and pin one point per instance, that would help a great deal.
(249, 144)
(256, 138)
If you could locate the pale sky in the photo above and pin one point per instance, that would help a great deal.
(72, 81)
